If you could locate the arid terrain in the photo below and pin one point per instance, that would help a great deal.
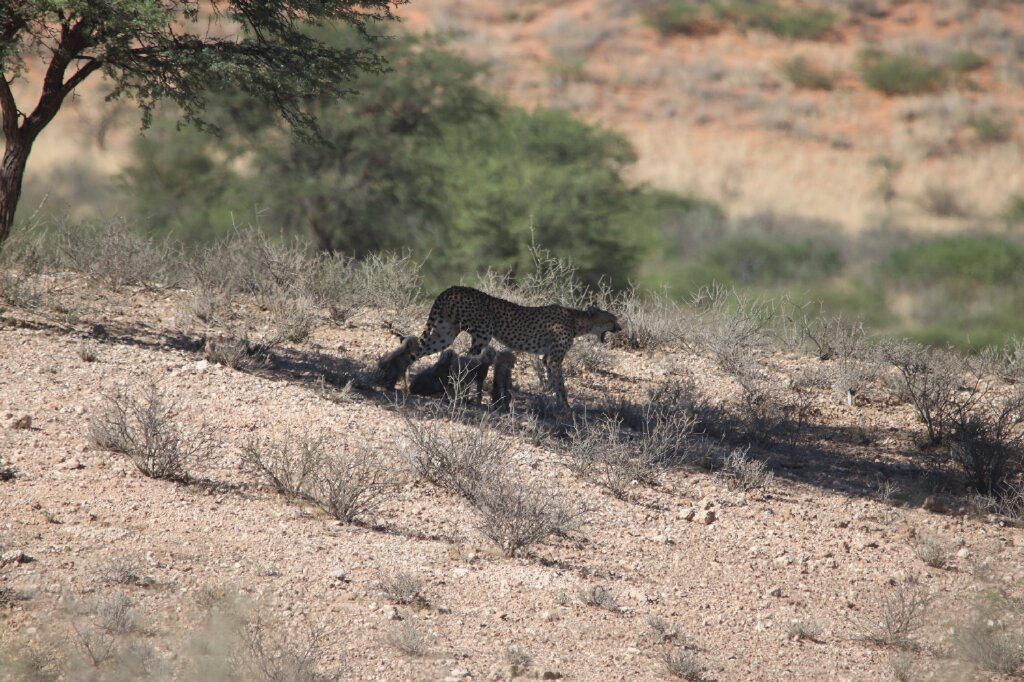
(743, 573)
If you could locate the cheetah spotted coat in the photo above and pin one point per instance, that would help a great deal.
(548, 331)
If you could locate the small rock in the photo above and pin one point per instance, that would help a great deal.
(202, 366)
(15, 557)
(391, 613)
(707, 517)
(98, 331)
(460, 572)
(551, 675)
(963, 553)
(339, 575)
(22, 422)
(547, 616)
(775, 592)
(687, 514)
(71, 465)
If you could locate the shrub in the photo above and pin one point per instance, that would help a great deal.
(350, 484)
(145, 428)
(992, 635)
(515, 515)
(770, 259)
(649, 321)
(600, 597)
(684, 17)
(731, 325)
(801, 631)
(896, 75)
(289, 466)
(408, 640)
(518, 660)
(964, 61)
(900, 612)
(455, 456)
(681, 664)
(990, 127)
(988, 445)
(933, 551)
(932, 381)
(743, 473)
(1014, 211)
(116, 256)
(403, 588)
(943, 202)
(965, 260)
(801, 73)
(794, 23)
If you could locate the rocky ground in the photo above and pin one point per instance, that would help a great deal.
(773, 583)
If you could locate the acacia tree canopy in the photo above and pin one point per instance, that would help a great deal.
(177, 50)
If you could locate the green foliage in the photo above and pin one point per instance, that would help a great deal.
(894, 74)
(770, 259)
(803, 74)
(421, 159)
(963, 259)
(991, 127)
(793, 23)
(684, 17)
(1014, 211)
(266, 53)
(966, 61)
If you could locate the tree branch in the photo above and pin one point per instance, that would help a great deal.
(72, 40)
(81, 75)
(9, 109)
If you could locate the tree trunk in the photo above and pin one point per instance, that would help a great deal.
(12, 171)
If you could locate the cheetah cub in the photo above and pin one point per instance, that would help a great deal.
(548, 331)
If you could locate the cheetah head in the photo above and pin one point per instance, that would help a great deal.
(599, 322)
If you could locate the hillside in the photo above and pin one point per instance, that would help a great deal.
(713, 113)
(754, 577)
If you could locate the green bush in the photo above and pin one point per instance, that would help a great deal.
(796, 23)
(1014, 211)
(420, 159)
(991, 127)
(803, 74)
(769, 259)
(966, 61)
(683, 17)
(962, 260)
(894, 74)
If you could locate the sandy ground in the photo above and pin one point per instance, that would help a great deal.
(815, 546)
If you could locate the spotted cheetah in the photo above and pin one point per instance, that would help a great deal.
(548, 331)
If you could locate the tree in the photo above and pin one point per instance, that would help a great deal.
(179, 50)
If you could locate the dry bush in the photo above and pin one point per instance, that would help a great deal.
(937, 383)
(87, 352)
(944, 202)
(351, 484)
(21, 292)
(599, 597)
(122, 571)
(237, 352)
(408, 639)
(731, 327)
(550, 280)
(681, 664)
(650, 321)
(146, 429)
(933, 550)
(743, 473)
(403, 588)
(518, 660)
(903, 668)
(104, 638)
(660, 630)
(992, 636)
(116, 256)
(455, 449)
(586, 356)
(989, 445)
(516, 515)
(1005, 362)
(598, 453)
(901, 612)
(290, 465)
(293, 316)
(803, 631)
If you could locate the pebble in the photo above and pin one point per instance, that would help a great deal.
(551, 675)
(339, 575)
(71, 465)
(707, 517)
(775, 592)
(391, 613)
(15, 556)
(687, 514)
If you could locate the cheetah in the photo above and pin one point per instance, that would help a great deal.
(548, 331)
(452, 374)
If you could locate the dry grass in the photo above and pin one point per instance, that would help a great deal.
(901, 611)
(599, 597)
(403, 588)
(681, 664)
(743, 473)
(408, 640)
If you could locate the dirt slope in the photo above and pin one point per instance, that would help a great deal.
(813, 547)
